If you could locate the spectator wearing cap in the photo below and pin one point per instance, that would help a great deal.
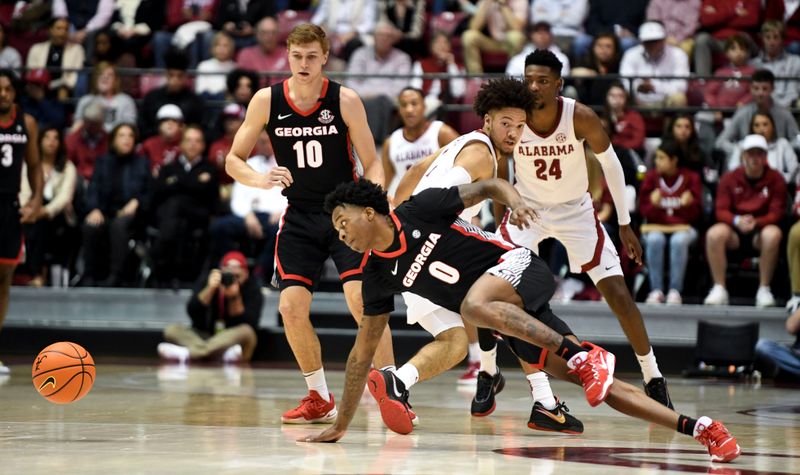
(750, 204)
(232, 118)
(211, 73)
(165, 147)
(120, 108)
(540, 36)
(46, 110)
(176, 91)
(565, 18)
(255, 214)
(90, 141)
(118, 185)
(56, 54)
(781, 157)
(654, 58)
(9, 56)
(681, 19)
(265, 56)
(504, 21)
(225, 309)
(761, 87)
(719, 19)
(183, 199)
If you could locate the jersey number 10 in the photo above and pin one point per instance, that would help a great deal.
(310, 155)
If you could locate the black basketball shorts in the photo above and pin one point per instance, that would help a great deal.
(304, 241)
(11, 234)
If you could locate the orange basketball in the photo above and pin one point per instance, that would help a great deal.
(63, 372)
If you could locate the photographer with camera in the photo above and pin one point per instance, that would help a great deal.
(225, 310)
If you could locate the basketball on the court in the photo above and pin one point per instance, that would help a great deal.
(63, 372)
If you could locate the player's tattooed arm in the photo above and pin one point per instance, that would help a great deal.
(358, 364)
(500, 191)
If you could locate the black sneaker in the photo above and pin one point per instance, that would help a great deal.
(656, 389)
(392, 397)
(488, 386)
(557, 420)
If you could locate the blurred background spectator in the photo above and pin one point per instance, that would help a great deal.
(681, 19)
(57, 54)
(117, 188)
(239, 19)
(210, 82)
(540, 36)
(780, 362)
(440, 60)
(266, 55)
(788, 13)
(165, 146)
(105, 88)
(51, 241)
(186, 21)
(9, 56)
(781, 63)
(87, 143)
(628, 124)
(602, 59)
(348, 23)
(781, 157)
(408, 16)
(86, 18)
(177, 90)
(496, 27)
(133, 25)
(719, 19)
(620, 17)
(232, 119)
(47, 110)
(565, 17)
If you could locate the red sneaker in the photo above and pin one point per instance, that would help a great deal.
(392, 397)
(312, 410)
(722, 446)
(596, 370)
(470, 376)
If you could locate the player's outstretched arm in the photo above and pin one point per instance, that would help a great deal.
(355, 116)
(501, 191)
(236, 162)
(412, 177)
(358, 364)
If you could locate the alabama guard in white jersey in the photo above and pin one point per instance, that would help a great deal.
(415, 140)
(550, 173)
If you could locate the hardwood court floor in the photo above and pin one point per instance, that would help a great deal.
(213, 420)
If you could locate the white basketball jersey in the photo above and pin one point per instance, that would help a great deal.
(551, 169)
(404, 154)
(444, 162)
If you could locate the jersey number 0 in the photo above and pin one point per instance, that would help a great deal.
(310, 155)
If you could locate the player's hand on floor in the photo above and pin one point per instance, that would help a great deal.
(331, 434)
(523, 217)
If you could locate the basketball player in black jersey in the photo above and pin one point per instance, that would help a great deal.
(314, 124)
(18, 142)
(423, 247)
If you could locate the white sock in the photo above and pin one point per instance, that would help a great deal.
(474, 352)
(701, 425)
(408, 374)
(541, 390)
(489, 361)
(649, 366)
(390, 367)
(315, 381)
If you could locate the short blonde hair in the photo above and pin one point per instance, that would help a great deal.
(306, 33)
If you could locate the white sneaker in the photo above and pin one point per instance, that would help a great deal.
(717, 296)
(793, 304)
(4, 370)
(764, 297)
(674, 297)
(169, 351)
(655, 297)
(233, 354)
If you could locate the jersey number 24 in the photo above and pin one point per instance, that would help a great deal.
(542, 172)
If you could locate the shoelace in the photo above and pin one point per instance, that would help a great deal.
(587, 373)
(311, 401)
(714, 434)
(560, 406)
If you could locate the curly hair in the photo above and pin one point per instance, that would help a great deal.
(359, 193)
(501, 93)
(543, 57)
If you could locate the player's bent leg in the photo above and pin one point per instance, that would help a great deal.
(384, 355)
(630, 400)
(448, 348)
(470, 375)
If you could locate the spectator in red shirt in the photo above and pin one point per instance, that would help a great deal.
(266, 56)
(629, 131)
(670, 200)
(720, 19)
(90, 141)
(232, 118)
(731, 92)
(165, 147)
(751, 201)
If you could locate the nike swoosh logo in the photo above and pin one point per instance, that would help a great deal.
(394, 388)
(527, 141)
(559, 418)
(394, 271)
(610, 267)
(50, 380)
(281, 116)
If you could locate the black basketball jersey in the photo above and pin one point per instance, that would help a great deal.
(314, 145)
(435, 254)
(13, 143)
